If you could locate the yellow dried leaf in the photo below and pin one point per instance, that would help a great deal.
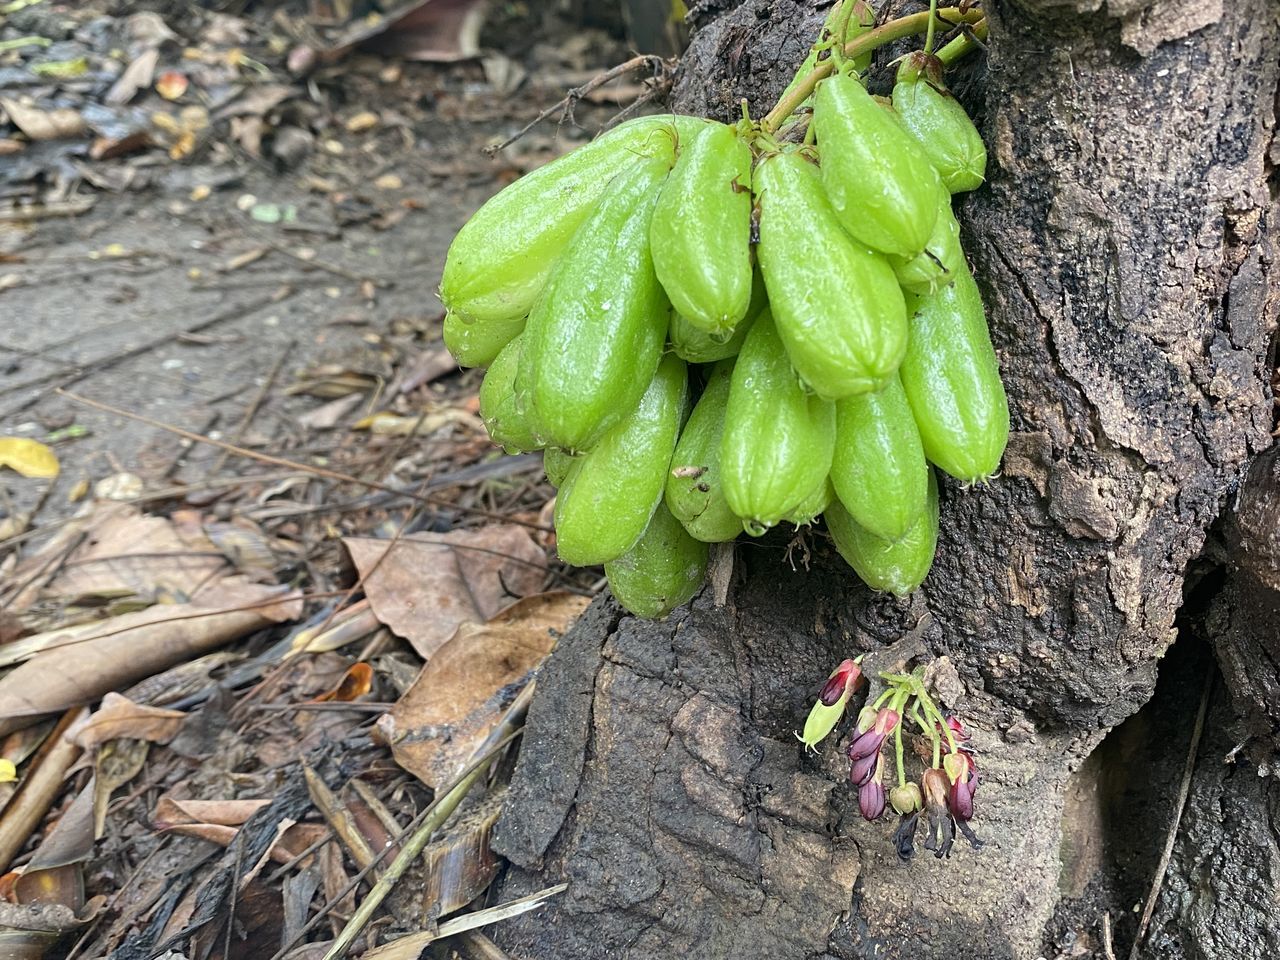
(8, 772)
(31, 458)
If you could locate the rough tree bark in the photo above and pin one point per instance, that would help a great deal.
(1124, 246)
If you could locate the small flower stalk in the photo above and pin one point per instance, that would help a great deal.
(943, 799)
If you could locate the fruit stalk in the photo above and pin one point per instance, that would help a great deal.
(908, 26)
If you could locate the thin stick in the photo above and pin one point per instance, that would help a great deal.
(324, 911)
(1184, 791)
(409, 853)
(566, 102)
(252, 410)
(39, 788)
(1108, 948)
(291, 464)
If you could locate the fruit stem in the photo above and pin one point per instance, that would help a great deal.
(964, 44)
(908, 26)
(933, 19)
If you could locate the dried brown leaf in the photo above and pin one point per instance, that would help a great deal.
(124, 552)
(128, 648)
(466, 686)
(120, 717)
(425, 585)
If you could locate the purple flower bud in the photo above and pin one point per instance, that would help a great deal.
(871, 800)
(863, 768)
(960, 797)
(841, 683)
(866, 745)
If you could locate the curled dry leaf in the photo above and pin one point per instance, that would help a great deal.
(120, 717)
(424, 585)
(461, 694)
(170, 812)
(218, 821)
(355, 683)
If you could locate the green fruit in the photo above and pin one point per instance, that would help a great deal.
(502, 257)
(812, 505)
(476, 344)
(939, 124)
(663, 570)
(879, 470)
(610, 493)
(701, 230)
(896, 566)
(837, 303)
(595, 336)
(695, 345)
(504, 416)
(938, 262)
(952, 380)
(882, 186)
(695, 493)
(777, 439)
(556, 464)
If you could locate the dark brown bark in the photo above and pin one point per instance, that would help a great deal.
(1124, 247)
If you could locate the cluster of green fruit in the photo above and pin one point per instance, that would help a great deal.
(708, 331)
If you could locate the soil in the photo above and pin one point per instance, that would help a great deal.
(139, 302)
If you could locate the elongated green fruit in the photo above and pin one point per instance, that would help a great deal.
(939, 124)
(898, 566)
(595, 336)
(837, 303)
(878, 470)
(939, 261)
(503, 256)
(952, 380)
(777, 439)
(695, 491)
(663, 570)
(556, 464)
(701, 230)
(606, 500)
(695, 345)
(812, 505)
(882, 186)
(477, 344)
(503, 414)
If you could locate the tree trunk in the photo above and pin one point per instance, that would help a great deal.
(1124, 248)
